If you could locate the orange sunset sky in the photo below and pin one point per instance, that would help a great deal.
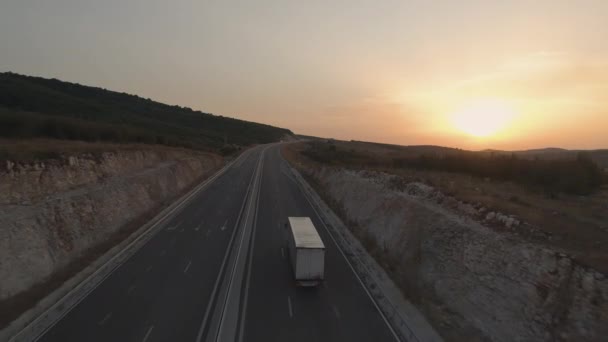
(469, 74)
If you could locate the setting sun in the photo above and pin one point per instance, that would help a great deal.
(483, 118)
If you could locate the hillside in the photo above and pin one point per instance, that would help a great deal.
(600, 157)
(49, 108)
(485, 259)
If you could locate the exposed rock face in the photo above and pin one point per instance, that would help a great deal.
(494, 281)
(52, 212)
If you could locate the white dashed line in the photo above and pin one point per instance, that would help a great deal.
(174, 226)
(224, 226)
(289, 306)
(187, 266)
(148, 333)
(107, 317)
(336, 311)
(282, 252)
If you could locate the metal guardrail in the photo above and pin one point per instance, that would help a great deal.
(404, 331)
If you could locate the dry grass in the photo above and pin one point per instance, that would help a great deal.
(14, 306)
(575, 224)
(44, 149)
(22, 150)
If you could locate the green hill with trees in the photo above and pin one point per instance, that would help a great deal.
(34, 107)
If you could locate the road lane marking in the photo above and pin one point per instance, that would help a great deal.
(282, 252)
(240, 247)
(331, 235)
(336, 311)
(107, 317)
(148, 268)
(249, 270)
(148, 333)
(224, 226)
(228, 310)
(131, 288)
(187, 266)
(289, 306)
(213, 297)
(173, 227)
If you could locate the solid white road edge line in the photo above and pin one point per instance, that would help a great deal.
(241, 333)
(223, 265)
(256, 184)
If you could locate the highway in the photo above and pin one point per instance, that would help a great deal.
(218, 271)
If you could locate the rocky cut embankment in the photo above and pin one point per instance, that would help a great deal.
(474, 282)
(53, 212)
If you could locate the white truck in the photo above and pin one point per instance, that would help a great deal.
(306, 252)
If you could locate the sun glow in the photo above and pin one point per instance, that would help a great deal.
(483, 118)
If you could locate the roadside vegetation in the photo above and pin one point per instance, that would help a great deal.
(560, 211)
(33, 107)
(579, 175)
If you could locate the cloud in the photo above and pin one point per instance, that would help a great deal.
(546, 76)
(373, 118)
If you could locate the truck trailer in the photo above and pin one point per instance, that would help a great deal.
(306, 251)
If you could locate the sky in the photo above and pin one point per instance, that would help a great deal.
(470, 74)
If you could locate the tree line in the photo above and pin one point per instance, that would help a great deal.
(72, 111)
(579, 175)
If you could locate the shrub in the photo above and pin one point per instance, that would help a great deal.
(578, 175)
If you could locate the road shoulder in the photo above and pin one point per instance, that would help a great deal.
(407, 321)
(37, 320)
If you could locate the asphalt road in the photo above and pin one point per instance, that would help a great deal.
(218, 271)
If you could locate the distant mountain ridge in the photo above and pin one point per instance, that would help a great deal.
(110, 115)
(535, 150)
(600, 156)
